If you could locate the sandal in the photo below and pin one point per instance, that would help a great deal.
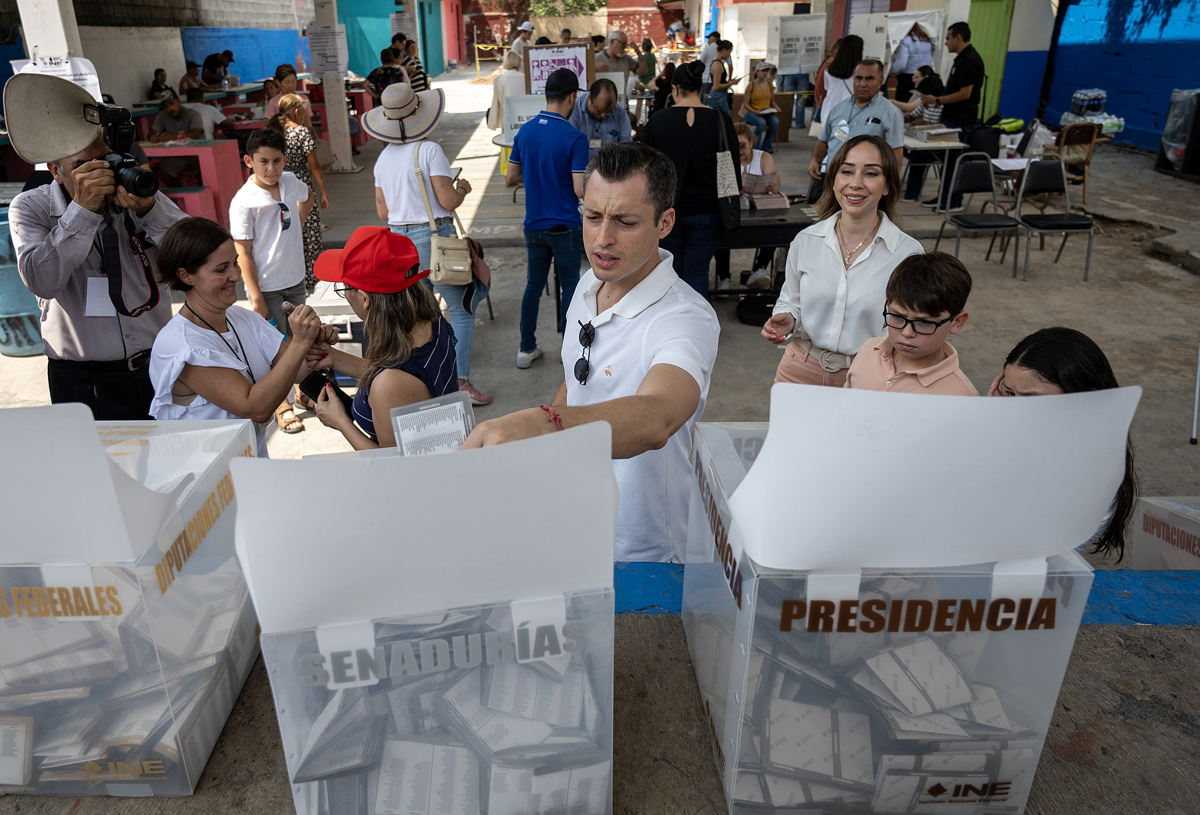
(292, 425)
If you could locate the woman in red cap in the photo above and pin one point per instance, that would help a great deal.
(411, 353)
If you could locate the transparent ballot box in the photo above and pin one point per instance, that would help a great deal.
(126, 629)
(416, 669)
(884, 689)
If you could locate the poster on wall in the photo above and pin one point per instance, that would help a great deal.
(543, 60)
(406, 24)
(796, 44)
(76, 69)
(330, 55)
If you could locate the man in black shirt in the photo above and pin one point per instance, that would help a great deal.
(960, 102)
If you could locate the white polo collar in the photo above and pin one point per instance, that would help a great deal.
(645, 294)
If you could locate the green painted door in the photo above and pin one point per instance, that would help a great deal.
(990, 21)
(433, 57)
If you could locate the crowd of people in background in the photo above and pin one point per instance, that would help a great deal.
(861, 303)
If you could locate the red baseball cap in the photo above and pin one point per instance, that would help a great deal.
(375, 260)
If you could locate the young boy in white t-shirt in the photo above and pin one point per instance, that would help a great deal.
(266, 220)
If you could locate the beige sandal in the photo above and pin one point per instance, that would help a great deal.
(292, 425)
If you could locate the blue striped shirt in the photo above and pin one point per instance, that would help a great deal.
(433, 363)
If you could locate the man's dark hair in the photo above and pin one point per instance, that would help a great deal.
(930, 284)
(403, 38)
(597, 39)
(960, 30)
(724, 45)
(875, 63)
(195, 95)
(564, 31)
(267, 137)
(398, 53)
(187, 245)
(621, 162)
(601, 87)
(386, 56)
(712, 34)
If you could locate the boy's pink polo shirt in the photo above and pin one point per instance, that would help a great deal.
(874, 369)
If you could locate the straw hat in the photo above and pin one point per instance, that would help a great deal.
(404, 115)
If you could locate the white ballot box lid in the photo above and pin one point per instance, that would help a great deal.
(379, 537)
(913, 481)
(68, 501)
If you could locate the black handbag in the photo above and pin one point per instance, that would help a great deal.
(729, 194)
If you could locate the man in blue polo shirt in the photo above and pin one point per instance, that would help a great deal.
(550, 156)
(867, 113)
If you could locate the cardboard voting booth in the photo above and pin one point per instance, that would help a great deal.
(1166, 534)
(126, 630)
(418, 670)
(856, 644)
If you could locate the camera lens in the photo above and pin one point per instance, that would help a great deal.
(137, 181)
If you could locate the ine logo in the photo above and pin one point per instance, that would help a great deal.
(991, 792)
(136, 769)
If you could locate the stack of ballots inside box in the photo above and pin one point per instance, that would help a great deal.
(121, 651)
(418, 672)
(876, 659)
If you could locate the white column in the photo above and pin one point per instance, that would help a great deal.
(337, 120)
(50, 28)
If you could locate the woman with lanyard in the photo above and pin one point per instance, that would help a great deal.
(214, 359)
(411, 354)
(838, 268)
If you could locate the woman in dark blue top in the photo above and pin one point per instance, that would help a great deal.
(411, 353)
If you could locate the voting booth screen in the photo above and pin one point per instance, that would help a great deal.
(116, 678)
(919, 691)
(455, 712)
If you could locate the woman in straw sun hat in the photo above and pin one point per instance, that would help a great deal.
(405, 119)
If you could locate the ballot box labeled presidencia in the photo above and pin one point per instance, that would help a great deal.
(880, 612)
(126, 631)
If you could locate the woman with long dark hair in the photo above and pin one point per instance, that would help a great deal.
(1062, 360)
(411, 354)
(839, 76)
(690, 134)
(215, 359)
(838, 268)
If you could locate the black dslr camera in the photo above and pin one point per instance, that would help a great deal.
(119, 132)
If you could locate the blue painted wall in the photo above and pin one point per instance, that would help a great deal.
(369, 30)
(256, 51)
(1137, 50)
(1023, 74)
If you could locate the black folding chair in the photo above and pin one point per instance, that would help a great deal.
(973, 174)
(1046, 175)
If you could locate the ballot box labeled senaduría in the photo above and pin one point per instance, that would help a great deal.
(126, 629)
(419, 669)
(889, 688)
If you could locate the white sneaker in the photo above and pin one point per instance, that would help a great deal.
(723, 284)
(759, 279)
(526, 358)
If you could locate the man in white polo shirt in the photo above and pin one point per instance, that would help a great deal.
(641, 354)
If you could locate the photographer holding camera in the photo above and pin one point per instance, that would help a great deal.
(85, 246)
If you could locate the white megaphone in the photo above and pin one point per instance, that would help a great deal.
(50, 118)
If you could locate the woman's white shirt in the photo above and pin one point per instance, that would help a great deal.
(837, 308)
(836, 90)
(182, 342)
(509, 83)
(755, 165)
(396, 176)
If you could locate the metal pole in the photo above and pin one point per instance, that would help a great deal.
(1196, 404)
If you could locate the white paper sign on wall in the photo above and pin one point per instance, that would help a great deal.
(330, 54)
(76, 69)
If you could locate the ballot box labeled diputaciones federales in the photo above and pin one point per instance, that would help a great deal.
(837, 672)
(419, 668)
(126, 630)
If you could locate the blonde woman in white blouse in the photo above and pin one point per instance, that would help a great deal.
(837, 269)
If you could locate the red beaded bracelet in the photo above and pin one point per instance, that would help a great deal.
(554, 417)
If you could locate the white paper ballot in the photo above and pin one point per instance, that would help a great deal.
(417, 778)
(1077, 442)
(16, 749)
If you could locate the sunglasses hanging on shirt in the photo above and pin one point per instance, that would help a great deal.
(587, 334)
(110, 244)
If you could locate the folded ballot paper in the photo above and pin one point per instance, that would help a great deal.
(125, 627)
(420, 672)
(892, 648)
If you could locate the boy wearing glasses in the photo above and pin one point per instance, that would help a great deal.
(266, 220)
(926, 295)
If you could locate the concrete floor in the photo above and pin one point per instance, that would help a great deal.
(1126, 732)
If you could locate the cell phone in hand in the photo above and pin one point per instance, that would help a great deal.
(312, 385)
